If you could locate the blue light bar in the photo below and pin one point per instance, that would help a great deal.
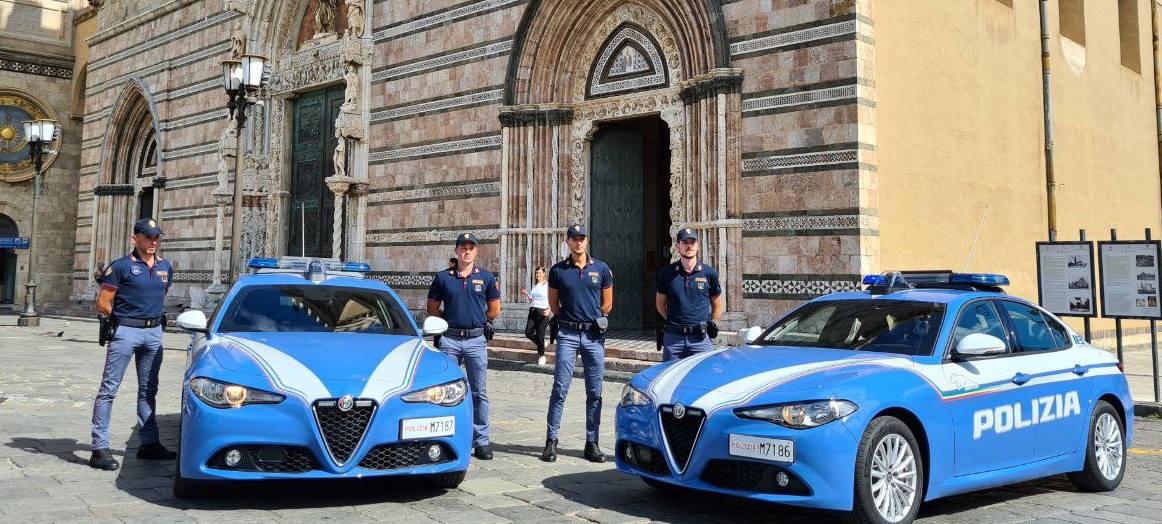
(263, 263)
(874, 280)
(981, 279)
(358, 267)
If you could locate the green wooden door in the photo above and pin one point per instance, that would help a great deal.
(314, 143)
(616, 217)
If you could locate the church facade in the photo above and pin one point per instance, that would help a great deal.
(808, 142)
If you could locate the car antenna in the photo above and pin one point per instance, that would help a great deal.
(979, 226)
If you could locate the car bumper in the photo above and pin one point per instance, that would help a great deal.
(820, 476)
(283, 441)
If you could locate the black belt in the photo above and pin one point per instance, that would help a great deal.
(139, 322)
(576, 326)
(696, 329)
(465, 333)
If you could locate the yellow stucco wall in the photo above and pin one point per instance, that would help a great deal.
(960, 128)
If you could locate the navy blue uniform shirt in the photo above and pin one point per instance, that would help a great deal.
(579, 288)
(688, 294)
(140, 289)
(465, 299)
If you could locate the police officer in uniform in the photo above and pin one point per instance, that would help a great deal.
(470, 297)
(689, 299)
(581, 296)
(133, 290)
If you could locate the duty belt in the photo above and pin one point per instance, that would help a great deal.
(576, 326)
(465, 333)
(139, 322)
(696, 329)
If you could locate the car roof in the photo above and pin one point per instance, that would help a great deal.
(937, 295)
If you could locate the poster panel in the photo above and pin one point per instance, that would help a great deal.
(1065, 278)
(1129, 279)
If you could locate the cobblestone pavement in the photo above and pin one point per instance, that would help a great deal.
(49, 374)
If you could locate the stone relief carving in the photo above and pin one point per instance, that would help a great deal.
(644, 18)
(351, 92)
(237, 42)
(355, 18)
(324, 18)
(339, 159)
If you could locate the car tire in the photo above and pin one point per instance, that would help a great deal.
(1105, 451)
(885, 438)
(446, 480)
(187, 488)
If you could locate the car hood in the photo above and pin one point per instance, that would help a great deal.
(736, 375)
(330, 365)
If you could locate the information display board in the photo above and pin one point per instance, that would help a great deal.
(1065, 277)
(13, 242)
(1129, 279)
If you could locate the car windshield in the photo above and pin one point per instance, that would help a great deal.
(884, 326)
(315, 309)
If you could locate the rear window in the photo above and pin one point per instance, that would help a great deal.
(315, 309)
(882, 326)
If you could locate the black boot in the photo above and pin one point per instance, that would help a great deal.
(593, 452)
(550, 452)
(483, 452)
(103, 459)
(155, 451)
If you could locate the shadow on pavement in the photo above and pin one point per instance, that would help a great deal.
(66, 449)
(564, 449)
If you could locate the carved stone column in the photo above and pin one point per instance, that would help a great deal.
(339, 185)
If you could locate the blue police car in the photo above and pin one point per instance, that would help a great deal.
(923, 386)
(309, 371)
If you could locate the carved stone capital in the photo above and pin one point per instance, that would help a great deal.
(711, 85)
(522, 117)
(360, 188)
(356, 51)
(339, 185)
(349, 125)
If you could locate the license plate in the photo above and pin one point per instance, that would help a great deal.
(428, 427)
(772, 449)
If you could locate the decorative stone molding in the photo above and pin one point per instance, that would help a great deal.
(356, 51)
(309, 67)
(159, 182)
(430, 236)
(517, 117)
(35, 65)
(350, 125)
(238, 6)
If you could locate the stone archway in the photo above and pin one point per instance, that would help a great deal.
(552, 115)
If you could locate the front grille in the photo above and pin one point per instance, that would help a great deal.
(681, 433)
(270, 459)
(751, 476)
(404, 455)
(343, 430)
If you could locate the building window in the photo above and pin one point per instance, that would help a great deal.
(1128, 32)
(1072, 20)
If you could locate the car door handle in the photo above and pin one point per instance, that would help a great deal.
(1080, 370)
(1020, 378)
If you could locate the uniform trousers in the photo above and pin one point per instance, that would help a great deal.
(592, 349)
(144, 346)
(472, 353)
(678, 346)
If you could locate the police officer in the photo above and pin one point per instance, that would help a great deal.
(581, 296)
(133, 290)
(471, 299)
(689, 300)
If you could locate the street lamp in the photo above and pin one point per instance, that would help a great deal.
(39, 135)
(241, 79)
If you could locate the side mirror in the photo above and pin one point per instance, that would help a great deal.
(979, 345)
(435, 326)
(750, 334)
(193, 320)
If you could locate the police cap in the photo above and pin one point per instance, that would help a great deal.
(147, 227)
(687, 233)
(465, 238)
(577, 230)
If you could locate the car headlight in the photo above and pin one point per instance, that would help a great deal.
(449, 394)
(225, 395)
(631, 396)
(800, 415)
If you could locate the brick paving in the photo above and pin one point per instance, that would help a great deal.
(49, 376)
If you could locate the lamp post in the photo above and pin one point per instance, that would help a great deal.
(241, 79)
(39, 134)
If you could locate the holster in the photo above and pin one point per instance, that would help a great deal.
(600, 326)
(712, 329)
(489, 331)
(107, 328)
(554, 328)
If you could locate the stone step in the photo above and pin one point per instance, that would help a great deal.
(614, 348)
